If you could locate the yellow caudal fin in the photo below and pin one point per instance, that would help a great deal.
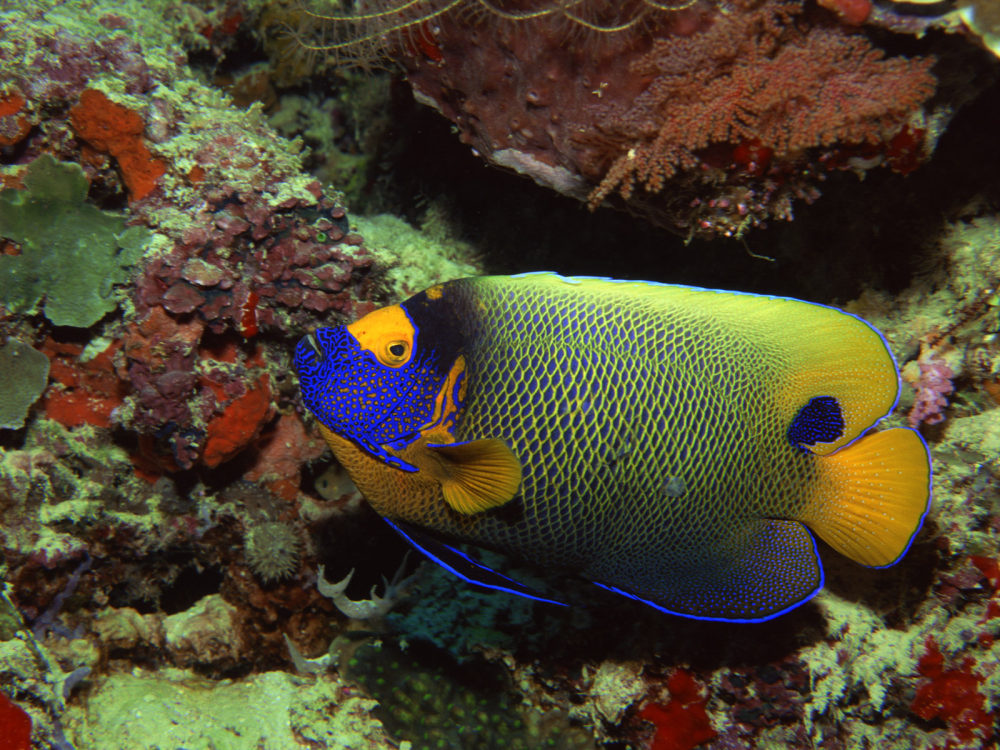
(872, 496)
(477, 476)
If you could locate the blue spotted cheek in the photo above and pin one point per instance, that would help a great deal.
(352, 394)
(331, 377)
(308, 363)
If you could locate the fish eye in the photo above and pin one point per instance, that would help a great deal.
(396, 352)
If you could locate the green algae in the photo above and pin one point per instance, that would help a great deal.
(24, 372)
(416, 259)
(176, 708)
(72, 253)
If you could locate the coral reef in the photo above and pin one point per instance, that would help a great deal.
(240, 241)
(163, 251)
(174, 216)
(708, 118)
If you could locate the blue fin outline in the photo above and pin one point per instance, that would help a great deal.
(452, 559)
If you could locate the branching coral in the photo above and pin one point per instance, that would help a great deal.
(723, 113)
(753, 77)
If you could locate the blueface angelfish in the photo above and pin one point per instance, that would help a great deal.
(677, 445)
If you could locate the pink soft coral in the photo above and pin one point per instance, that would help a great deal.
(932, 386)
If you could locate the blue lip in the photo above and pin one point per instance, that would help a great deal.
(308, 354)
(309, 342)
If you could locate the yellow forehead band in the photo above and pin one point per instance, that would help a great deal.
(386, 333)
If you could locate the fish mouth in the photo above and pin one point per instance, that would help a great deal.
(309, 355)
(309, 345)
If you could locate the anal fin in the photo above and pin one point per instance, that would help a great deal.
(773, 570)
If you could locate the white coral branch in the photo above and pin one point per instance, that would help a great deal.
(365, 609)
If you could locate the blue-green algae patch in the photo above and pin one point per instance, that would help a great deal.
(72, 254)
(24, 372)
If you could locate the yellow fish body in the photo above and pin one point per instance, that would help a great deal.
(676, 445)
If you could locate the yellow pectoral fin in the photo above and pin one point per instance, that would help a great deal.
(872, 496)
(477, 476)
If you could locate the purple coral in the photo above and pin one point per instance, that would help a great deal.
(933, 385)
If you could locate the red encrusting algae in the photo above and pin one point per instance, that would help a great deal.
(952, 696)
(13, 125)
(82, 392)
(681, 724)
(15, 726)
(238, 425)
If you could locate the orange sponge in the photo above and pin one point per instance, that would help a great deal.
(117, 130)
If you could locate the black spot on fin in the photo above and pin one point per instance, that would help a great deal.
(464, 566)
(819, 421)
